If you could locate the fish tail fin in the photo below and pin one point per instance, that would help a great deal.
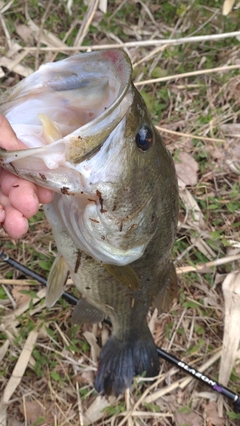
(121, 360)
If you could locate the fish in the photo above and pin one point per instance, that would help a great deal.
(90, 139)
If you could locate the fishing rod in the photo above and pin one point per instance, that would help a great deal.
(217, 387)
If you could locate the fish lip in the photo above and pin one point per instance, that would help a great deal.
(93, 129)
(123, 93)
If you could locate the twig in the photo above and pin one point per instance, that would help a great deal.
(14, 305)
(188, 135)
(86, 22)
(7, 35)
(150, 55)
(145, 43)
(80, 411)
(18, 282)
(187, 74)
(146, 414)
(5, 7)
(49, 4)
(142, 397)
(203, 266)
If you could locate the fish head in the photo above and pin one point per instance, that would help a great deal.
(134, 179)
(92, 141)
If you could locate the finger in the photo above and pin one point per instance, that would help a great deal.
(2, 214)
(8, 138)
(45, 196)
(8, 181)
(4, 201)
(23, 197)
(15, 224)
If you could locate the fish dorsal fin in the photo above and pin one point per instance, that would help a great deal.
(168, 292)
(56, 280)
(84, 312)
(124, 275)
(51, 131)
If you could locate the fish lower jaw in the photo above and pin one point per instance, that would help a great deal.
(107, 253)
(89, 235)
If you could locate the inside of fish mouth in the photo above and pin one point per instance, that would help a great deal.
(75, 102)
(67, 81)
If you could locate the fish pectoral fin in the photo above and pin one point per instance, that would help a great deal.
(169, 290)
(56, 280)
(124, 275)
(84, 312)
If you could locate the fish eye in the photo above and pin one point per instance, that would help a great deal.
(144, 138)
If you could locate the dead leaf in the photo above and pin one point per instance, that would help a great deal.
(151, 324)
(231, 335)
(234, 156)
(95, 349)
(232, 151)
(18, 68)
(11, 421)
(3, 414)
(19, 297)
(47, 37)
(212, 416)
(103, 6)
(227, 7)
(203, 247)
(187, 418)
(231, 129)
(4, 349)
(85, 378)
(105, 335)
(187, 168)
(194, 214)
(42, 412)
(34, 411)
(95, 411)
(2, 73)
(25, 32)
(20, 367)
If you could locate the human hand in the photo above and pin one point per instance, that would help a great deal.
(19, 199)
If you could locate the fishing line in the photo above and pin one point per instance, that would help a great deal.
(217, 387)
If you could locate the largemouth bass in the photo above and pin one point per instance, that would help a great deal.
(114, 214)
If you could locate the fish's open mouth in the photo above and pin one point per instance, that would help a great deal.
(64, 113)
(75, 101)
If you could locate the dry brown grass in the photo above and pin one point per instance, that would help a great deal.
(192, 89)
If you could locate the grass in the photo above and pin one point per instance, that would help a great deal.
(56, 387)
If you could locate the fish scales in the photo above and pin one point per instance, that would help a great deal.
(114, 214)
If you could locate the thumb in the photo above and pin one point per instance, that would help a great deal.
(8, 138)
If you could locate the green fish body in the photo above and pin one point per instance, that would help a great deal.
(114, 214)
